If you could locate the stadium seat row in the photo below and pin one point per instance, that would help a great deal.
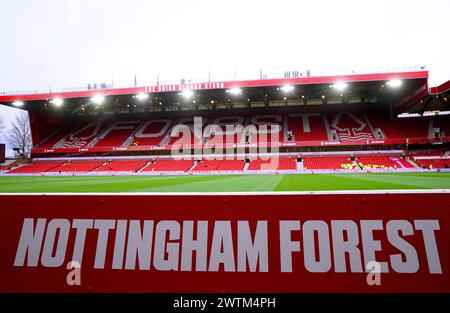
(205, 165)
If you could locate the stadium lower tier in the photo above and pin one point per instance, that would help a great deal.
(220, 165)
(383, 162)
(273, 164)
(431, 163)
(335, 163)
(254, 164)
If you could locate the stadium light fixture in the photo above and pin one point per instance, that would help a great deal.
(187, 93)
(18, 103)
(408, 115)
(394, 83)
(435, 112)
(235, 91)
(57, 102)
(430, 113)
(287, 88)
(340, 86)
(98, 99)
(141, 96)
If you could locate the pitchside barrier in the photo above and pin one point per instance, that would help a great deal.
(399, 141)
(222, 156)
(376, 241)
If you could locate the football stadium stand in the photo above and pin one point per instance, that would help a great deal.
(434, 163)
(77, 166)
(310, 127)
(122, 166)
(219, 165)
(169, 166)
(315, 127)
(333, 163)
(273, 164)
(431, 159)
(343, 127)
(315, 162)
(36, 167)
(383, 162)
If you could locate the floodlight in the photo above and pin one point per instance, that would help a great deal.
(141, 96)
(394, 83)
(57, 102)
(18, 103)
(340, 86)
(187, 93)
(407, 115)
(235, 91)
(98, 99)
(287, 88)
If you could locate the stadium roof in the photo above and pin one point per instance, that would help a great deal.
(414, 94)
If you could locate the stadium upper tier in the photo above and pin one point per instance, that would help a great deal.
(235, 129)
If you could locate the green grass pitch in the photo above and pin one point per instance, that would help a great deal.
(224, 183)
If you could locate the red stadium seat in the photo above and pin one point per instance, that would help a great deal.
(436, 163)
(169, 166)
(273, 164)
(328, 163)
(77, 166)
(220, 165)
(36, 167)
(383, 162)
(122, 166)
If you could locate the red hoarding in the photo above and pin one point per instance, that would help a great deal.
(311, 143)
(348, 242)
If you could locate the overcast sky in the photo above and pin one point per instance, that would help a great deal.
(70, 43)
